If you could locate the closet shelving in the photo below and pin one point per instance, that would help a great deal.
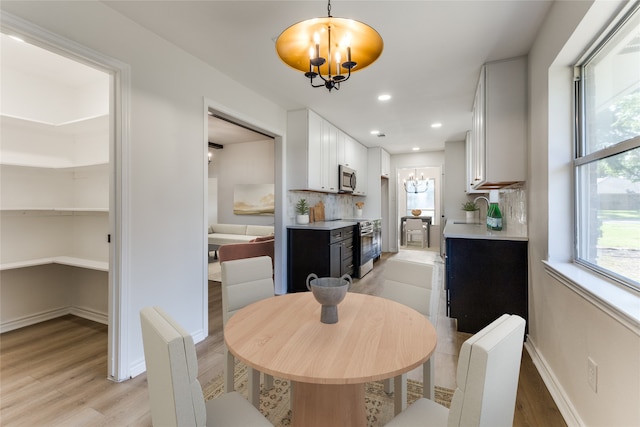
(55, 193)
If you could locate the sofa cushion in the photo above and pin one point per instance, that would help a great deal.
(224, 239)
(228, 229)
(259, 230)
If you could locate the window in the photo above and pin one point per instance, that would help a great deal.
(424, 201)
(607, 163)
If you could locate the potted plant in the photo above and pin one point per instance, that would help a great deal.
(359, 206)
(302, 212)
(470, 209)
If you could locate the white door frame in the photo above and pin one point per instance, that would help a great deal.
(280, 191)
(119, 209)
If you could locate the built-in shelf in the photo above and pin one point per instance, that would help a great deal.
(64, 260)
(33, 210)
(60, 165)
(29, 143)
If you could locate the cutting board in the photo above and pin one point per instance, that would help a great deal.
(318, 212)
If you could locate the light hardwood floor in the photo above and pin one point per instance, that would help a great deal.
(54, 373)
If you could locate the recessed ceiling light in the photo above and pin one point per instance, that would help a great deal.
(436, 125)
(384, 97)
(416, 148)
(374, 132)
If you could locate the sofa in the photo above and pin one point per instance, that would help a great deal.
(224, 234)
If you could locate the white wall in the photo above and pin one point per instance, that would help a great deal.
(566, 326)
(167, 166)
(455, 178)
(243, 163)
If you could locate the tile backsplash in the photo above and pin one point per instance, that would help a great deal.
(513, 202)
(336, 206)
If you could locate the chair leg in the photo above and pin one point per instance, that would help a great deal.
(388, 386)
(229, 373)
(292, 384)
(268, 382)
(428, 375)
(399, 393)
(254, 387)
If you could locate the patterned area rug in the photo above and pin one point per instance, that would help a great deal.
(274, 403)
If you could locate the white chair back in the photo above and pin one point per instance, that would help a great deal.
(245, 281)
(487, 375)
(411, 283)
(413, 226)
(172, 371)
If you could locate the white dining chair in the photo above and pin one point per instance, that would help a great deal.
(244, 281)
(411, 283)
(172, 375)
(415, 226)
(487, 381)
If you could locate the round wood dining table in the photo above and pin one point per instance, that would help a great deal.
(329, 364)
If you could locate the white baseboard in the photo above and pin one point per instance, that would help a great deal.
(562, 401)
(137, 368)
(32, 319)
(43, 316)
(89, 314)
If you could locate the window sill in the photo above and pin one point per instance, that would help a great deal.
(620, 302)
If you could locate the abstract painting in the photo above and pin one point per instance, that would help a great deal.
(254, 199)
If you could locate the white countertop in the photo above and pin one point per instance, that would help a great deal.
(324, 225)
(461, 230)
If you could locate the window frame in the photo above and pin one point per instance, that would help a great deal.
(582, 158)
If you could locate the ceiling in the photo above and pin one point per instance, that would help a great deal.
(433, 51)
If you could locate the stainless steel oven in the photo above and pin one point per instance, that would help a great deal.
(367, 247)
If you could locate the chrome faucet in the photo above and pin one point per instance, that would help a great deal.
(486, 200)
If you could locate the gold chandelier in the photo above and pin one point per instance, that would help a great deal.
(318, 46)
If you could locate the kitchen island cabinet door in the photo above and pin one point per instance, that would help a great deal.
(485, 279)
(326, 253)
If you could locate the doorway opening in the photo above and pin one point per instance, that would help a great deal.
(68, 142)
(242, 161)
(419, 196)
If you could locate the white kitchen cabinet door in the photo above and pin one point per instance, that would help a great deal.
(498, 136)
(385, 163)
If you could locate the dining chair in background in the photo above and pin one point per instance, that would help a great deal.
(244, 281)
(415, 226)
(175, 393)
(487, 381)
(411, 283)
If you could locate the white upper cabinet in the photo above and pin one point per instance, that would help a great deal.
(496, 145)
(360, 161)
(385, 163)
(329, 158)
(315, 149)
(304, 150)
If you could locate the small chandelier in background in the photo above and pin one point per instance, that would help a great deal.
(308, 46)
(415, 185)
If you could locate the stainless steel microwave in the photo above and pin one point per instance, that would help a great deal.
(347, 179)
